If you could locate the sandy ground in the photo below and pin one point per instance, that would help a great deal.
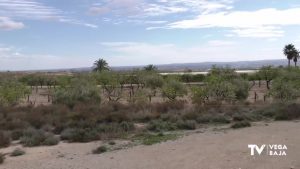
(219, 149)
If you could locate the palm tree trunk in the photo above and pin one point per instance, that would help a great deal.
(295, 64)
(289, 62)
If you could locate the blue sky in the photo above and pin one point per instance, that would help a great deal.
(45, 34)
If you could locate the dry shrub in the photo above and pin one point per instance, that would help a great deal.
(4, 139)
(168, 106)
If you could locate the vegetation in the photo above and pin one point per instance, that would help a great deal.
(100, 65)
(33, 137)
(105, 105)
(150, 139)
(17, 152)
(100, 150)
(173, 89)
(4, 139)
(2, 158)
(291, 53)
(241, 124)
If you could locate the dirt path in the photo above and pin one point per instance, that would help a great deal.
(208, 150)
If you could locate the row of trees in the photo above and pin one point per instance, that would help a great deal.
(221, 84)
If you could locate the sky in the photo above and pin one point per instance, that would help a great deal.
(51, 34)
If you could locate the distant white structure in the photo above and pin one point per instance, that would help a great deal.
(205, 73)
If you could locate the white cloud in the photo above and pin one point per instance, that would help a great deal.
(260, 23)
(221, 43)
(201, 6)
(157, 8)
(28, 9)
(9, 24)
(33, 10)
(13, 59)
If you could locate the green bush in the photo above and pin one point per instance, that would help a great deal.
(111, 143)
(204, 118)
(17, 152)
(126, 126)
(241, 124)
(187, 124)
(51, 140)
(150, 139)
(159, 125)
(33, 137)
(79, 135)
(80, 90)
(222, 119)
(100, 150)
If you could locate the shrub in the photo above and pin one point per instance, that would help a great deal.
(190, 116)
(241, 124)
(33, 137)
(127, 126)
(159, 125)
(79, 135)
(111, 143)
(168, 106)
(17, 152)
(100, 150)
(220, 119)
(16, 134)
(187, 124)
(80, 90)
(51, 140)
(150, 139)
(204, 118)
(2, 158)
(288, 112)
(173, 89)
(4, 139)
(238, 117)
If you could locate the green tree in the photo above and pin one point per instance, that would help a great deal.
(221, 84)
(153, 82)
(291, 53)
(296, 57)
(100, 65)
(12, 92)
(268, 73)
(286, 86)
(150, 68)
(111, 84)
(80, 90)
(172, 89)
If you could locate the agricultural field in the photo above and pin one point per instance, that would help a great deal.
(105, 112)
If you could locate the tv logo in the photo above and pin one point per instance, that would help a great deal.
(254, 147)
(271, 150)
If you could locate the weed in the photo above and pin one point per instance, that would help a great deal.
(150, 139)
(241, 124)
(17, 152)
(100, 150)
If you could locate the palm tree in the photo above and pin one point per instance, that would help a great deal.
(296, 56)
(150, 68)
(290, 52)
(100, 65)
